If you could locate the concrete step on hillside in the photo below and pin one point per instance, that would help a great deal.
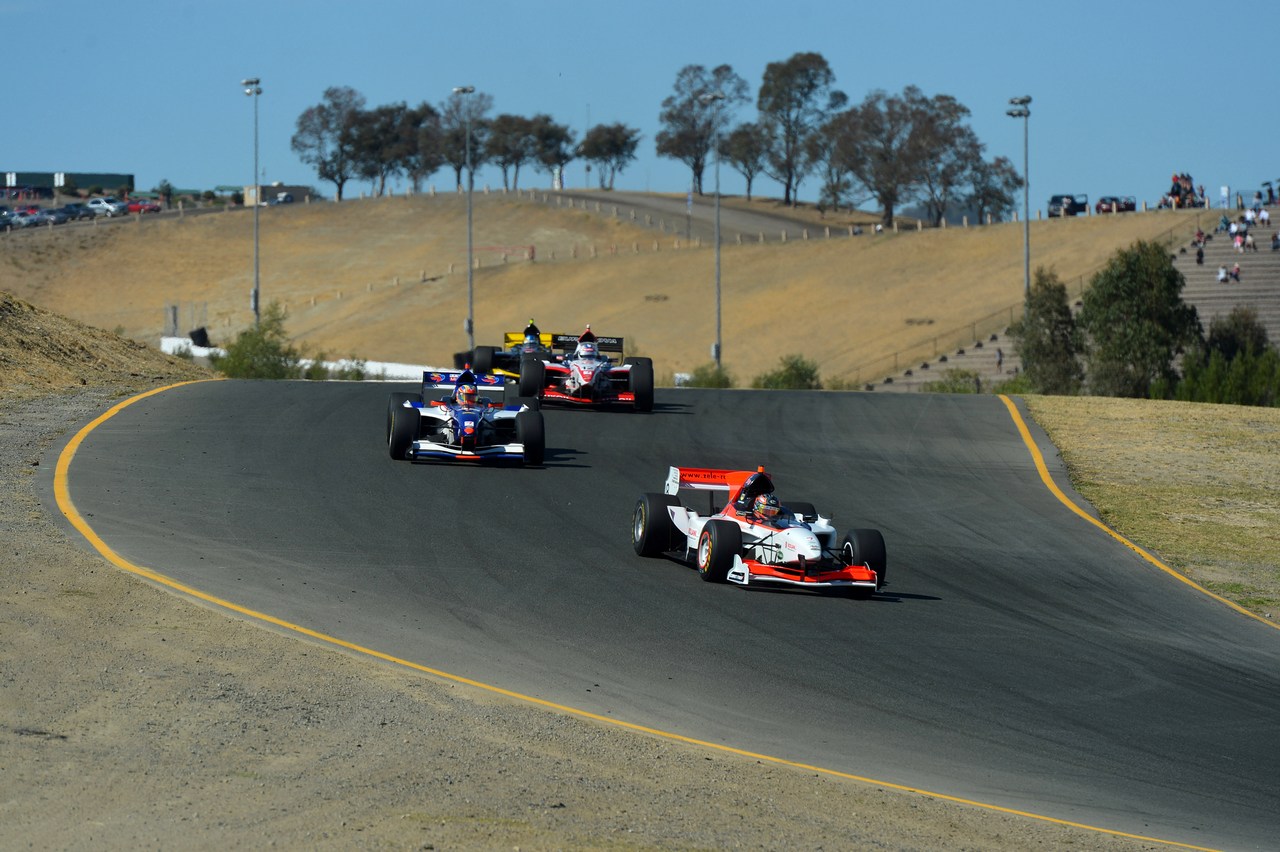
(1258, 288)
(993, 360)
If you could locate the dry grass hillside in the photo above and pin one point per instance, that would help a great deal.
(385, 280)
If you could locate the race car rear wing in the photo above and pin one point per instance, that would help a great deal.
(515, 338)
(696, 479)
(447, 380)
(569, 342)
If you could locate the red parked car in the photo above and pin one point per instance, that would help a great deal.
(1116, 204)
(142, 205)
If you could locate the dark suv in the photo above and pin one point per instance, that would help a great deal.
(1067, 205)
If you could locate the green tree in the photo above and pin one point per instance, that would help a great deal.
(379, 148)
(1047, 338)
(710, 375)
(164, 189)
(1236, 366)
(463, 111)
(553, 144)
(611, 147)
(993, 189)
(422, 143)
(262, 351)
(745, 150)
(1135, 323)
(795, 372)
(796, 98)
(511, 145)
(325, 135)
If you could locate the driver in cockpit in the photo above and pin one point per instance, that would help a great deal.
(467, 395)
(587, 351)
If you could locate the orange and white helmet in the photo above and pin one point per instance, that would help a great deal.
(767, 507)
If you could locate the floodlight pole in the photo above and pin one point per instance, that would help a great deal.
(253, 90)
(471, 332)
(1021, 110)
(710, 98)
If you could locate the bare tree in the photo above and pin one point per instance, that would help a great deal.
(325, 135)
(691, 120)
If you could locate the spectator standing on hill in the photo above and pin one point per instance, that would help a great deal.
(999, 360)
(1275, 241)
(1222, 274)
(1200, 255)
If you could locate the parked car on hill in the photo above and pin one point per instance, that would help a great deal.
(108, 206)
(142, 205)
(1116, 204)
(53, 215)
(1067, 205)
(76, 210)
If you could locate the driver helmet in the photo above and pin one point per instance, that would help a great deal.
(587, 349)
(767, 507)
(531, 340)
(467, 394)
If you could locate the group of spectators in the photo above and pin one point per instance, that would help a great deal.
(1184, 193)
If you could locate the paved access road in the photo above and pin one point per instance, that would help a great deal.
(1019, 657)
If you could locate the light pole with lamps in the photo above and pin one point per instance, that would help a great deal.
(708, 99)
(466, 114)
(1022, 111)
(253, 90)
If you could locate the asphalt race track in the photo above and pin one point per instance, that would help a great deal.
(1019, 656)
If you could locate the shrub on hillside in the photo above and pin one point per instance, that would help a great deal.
(955, 381)
(262, 351)
(711, 375)
(795, 372)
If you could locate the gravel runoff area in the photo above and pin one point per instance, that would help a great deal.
(131, 717)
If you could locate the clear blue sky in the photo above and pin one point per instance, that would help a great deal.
(1125, 92)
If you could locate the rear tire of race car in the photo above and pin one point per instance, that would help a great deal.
(641, 381)
(404, 431)
(530, 433)
(804, 511)
(866, 547)
(652, 532)
(396, 402)
(483, 361)
(719, 542)
(533, 375)
(531, 402)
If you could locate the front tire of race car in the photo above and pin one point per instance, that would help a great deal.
(652, 532)
(719, 542)
(866, 547)
(482, 362)
(396, 402)
(403, 432)
(641, 382)
(530, 433)
(533, 375)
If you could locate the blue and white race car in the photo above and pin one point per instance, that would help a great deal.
(461, 425)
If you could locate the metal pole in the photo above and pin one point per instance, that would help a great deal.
(257, 202)
(717, 259)
(253, 90)
(1026, 209)
(1023, 111)
(471, 333)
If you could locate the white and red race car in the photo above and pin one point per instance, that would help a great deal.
(584, 375)
(798, 547)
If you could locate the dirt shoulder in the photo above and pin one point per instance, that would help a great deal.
(130, 717)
